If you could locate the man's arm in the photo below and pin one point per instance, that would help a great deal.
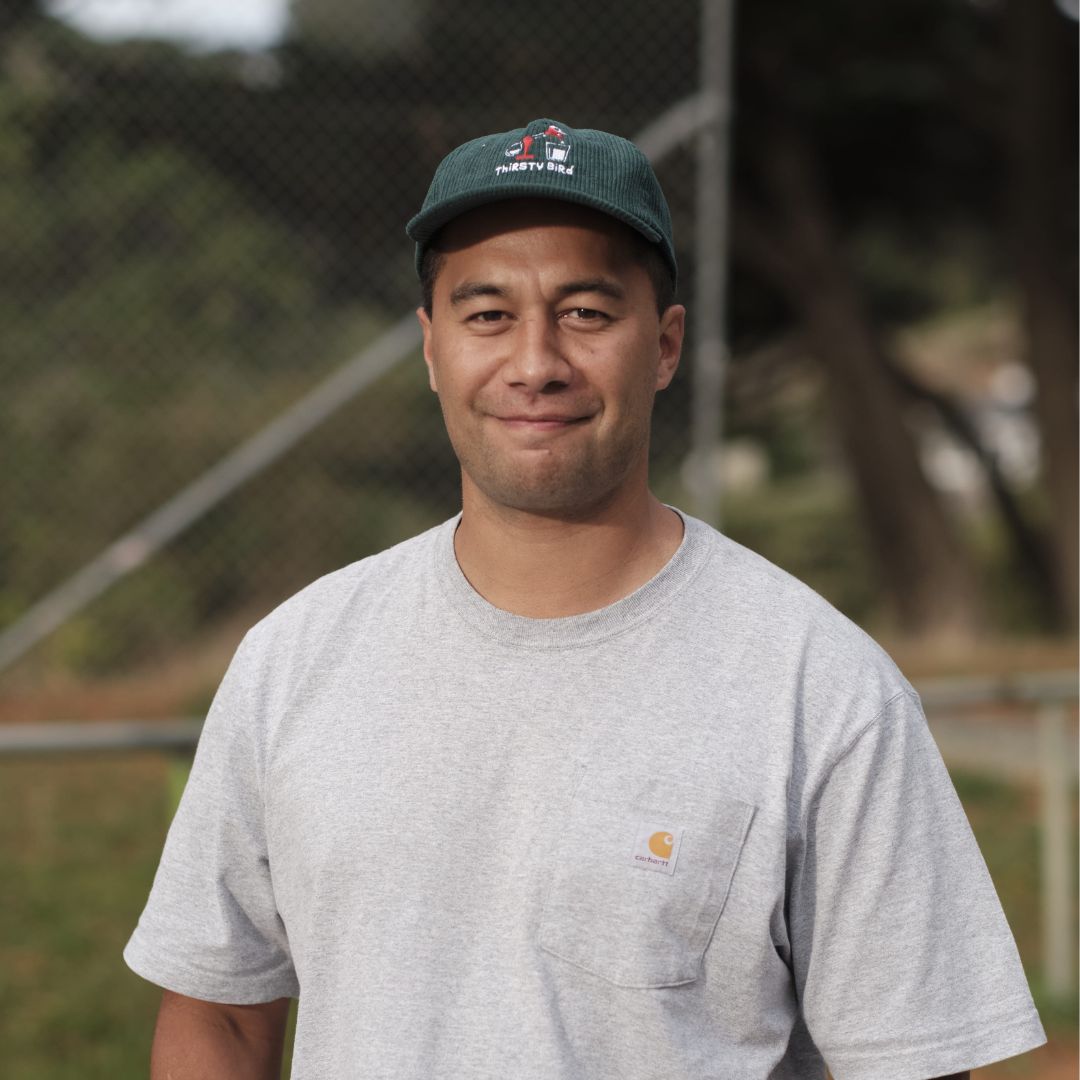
(201, 1040)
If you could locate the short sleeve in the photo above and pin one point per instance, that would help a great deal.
(904, 964)
(211, 929)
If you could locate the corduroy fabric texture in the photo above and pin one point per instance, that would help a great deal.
(548, 159)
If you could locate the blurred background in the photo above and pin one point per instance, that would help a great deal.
(208, 394)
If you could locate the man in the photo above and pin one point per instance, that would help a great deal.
(571, 785)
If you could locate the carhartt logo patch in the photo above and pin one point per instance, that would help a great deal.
(656, 847)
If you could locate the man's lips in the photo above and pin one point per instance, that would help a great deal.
(542, 422)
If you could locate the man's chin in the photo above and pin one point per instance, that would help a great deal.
(563, 498)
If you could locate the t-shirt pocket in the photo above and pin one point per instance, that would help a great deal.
(639, 881)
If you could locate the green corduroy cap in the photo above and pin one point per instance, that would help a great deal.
(548, 159)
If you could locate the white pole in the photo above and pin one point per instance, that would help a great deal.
(710, 260)
(1058, 942)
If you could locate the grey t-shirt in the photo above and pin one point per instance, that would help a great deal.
(700, 833)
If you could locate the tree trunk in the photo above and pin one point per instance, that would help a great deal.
(1041, 149)
(923, 565)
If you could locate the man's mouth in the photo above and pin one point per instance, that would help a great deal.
(542, 421)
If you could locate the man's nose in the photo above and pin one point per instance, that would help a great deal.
(537, 360)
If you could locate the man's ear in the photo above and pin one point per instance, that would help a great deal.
(672, 331)
(425, 325)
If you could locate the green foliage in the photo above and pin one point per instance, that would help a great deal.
(190, 243)
(1013, 861)
(79, 841)
(1011, 595)
(151, 319)
(96, 280)
(145, 617)
(111, 253)
(907, 279)
(1005, 820)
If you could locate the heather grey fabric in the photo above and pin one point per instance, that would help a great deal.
(700, 833)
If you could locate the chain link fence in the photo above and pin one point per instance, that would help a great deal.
(194, 241)
(197, 239)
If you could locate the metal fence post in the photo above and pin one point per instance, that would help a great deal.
(710, 259)
(1058, 942)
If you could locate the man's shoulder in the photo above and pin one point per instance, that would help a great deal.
(346, 593)
(763, 593)
(809, 677)
(782, 626)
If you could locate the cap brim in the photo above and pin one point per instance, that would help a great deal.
(428, 222)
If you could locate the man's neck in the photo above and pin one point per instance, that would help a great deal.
(545, 567)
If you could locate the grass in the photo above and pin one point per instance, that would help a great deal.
(79, 842)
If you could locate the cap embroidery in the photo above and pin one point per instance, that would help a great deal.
(546, 151)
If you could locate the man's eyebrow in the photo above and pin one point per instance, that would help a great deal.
(468, 290)
(600, 285)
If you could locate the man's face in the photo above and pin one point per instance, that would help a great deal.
(546, 350)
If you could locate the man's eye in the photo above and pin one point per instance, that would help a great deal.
(586, 314)
(488, 316)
